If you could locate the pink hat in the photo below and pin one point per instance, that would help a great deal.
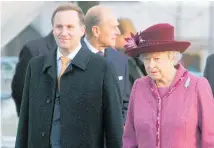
(157, 38)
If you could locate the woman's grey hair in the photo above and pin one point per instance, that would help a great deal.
(176, 55)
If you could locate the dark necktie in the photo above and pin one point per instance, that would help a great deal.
(100, 53)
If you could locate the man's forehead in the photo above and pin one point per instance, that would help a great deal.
(111, 20)
(69, 17)
(108, 15)
(66, 13)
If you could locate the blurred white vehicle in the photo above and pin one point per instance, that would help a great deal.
(8, 65)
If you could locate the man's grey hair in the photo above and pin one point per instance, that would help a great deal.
(92, 19)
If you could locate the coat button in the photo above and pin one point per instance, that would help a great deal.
(49, 100)
(43, 134)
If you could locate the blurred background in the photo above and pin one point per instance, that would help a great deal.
(25, 21)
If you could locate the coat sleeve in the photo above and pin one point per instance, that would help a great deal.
(205, 110)
(129, 137)
(112, 110)
(19, 77)
(22, 132)
(207, 67)
(126, 92)
(208, 72)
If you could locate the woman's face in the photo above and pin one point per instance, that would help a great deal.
(158, 65)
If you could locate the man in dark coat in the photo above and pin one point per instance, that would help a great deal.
(209, 71)
(38, 47)
(100, 37)
(71, 96)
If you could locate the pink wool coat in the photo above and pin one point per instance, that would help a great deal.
(186, 115)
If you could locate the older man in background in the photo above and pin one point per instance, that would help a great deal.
(100, 37)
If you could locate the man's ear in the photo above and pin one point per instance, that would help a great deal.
(95, 31)
(83, 30)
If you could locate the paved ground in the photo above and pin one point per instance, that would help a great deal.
(9, 123)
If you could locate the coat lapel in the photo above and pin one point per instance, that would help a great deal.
(109, 54)
(50, 66)
(51, 43)
(83, 43)
(80, 60)
(180, 75)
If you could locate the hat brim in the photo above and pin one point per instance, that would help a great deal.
(180, 46)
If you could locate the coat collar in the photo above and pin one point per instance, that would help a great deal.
(49, 65)
(70, 55)
(91, 47)
(80, 60)
(51, 43)
(180, 74)
(109, 52)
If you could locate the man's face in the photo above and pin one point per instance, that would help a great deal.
(108, 31)
(67, 29)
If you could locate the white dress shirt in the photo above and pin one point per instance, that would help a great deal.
(70, 56)
(91, 47)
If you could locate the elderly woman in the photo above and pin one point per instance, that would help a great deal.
(169, 108)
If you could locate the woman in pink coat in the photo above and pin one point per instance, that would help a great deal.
(169, 108)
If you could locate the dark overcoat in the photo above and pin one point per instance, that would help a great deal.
(209, 71)
(120, 63)
(89, 103)
(37, 47)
